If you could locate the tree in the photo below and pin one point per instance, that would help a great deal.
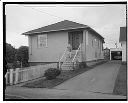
(22, 55)
(10, 53)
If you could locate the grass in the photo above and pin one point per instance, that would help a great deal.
(65, 75)
(120, 87)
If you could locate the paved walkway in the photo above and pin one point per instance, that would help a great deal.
(97, 83)
(100, 79)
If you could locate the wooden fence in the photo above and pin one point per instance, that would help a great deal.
(18, 75)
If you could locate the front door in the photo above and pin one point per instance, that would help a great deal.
(75, 38)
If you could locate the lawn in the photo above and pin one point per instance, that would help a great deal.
(65, 75)
(121, 81)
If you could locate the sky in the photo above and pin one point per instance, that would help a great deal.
(105, 19)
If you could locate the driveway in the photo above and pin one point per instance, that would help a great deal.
(100, 79)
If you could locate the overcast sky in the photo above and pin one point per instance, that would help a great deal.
(105, 19)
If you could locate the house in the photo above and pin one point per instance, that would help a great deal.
(122, 40)
(49, 44)
(115, 54)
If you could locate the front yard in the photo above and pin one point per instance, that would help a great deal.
(65, 75)
(121, 81)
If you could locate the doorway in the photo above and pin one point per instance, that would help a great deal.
(116, 55)
(75, 38)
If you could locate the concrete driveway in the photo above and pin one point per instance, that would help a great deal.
(100, 79)
(42, 93)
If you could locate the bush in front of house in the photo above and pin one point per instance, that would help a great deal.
(52, 73)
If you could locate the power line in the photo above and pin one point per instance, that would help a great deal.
(43, 12)
(46, 13)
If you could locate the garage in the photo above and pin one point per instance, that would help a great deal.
(115, 54)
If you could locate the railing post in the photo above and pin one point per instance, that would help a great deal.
(11, 77)
(16, 76)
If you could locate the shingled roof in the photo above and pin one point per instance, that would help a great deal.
(122, 34)
(63, 25)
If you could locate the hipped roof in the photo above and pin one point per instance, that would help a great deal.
(59, 26)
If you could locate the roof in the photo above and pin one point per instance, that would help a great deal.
(63, 25)
(122, 34)
(59, 26)
(115, 49)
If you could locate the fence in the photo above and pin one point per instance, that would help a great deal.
(18, 75)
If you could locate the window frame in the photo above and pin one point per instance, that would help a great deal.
(41, 42)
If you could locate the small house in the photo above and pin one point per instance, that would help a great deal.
(50, 44)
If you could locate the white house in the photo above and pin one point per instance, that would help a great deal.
(122, 40)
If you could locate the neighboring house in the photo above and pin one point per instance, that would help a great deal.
(115, 54)
(122, 40)
(49, 44)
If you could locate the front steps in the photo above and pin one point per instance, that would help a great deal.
(68, 64)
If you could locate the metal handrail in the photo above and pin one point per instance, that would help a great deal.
(76, 53)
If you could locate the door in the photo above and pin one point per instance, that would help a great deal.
(75, 38)
(75, 41)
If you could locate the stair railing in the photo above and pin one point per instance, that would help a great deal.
(76, 54)
(65, 51)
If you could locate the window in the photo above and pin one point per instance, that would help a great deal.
(92, 43)
(86, 37)
(99, 44)
(95, 54)
(42, 40)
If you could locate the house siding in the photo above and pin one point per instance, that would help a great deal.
(57, 43)
(124, 51)
(93, 51)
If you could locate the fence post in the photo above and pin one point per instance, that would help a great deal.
(11, 76)
(16, 77)
(6, 76)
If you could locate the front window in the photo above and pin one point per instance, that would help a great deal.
(42, 40)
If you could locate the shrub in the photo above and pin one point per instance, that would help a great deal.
(52, 73)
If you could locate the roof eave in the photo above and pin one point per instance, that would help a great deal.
(54, 30)
(97, 34)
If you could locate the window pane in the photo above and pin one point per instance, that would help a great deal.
(42, 40)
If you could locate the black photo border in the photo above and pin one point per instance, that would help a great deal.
(4, 47)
